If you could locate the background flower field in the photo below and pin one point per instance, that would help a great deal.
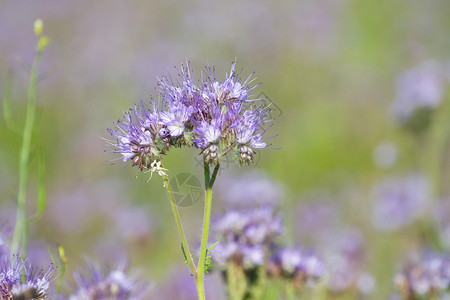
(348, 166)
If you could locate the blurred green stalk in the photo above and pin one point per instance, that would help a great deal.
(20, 238)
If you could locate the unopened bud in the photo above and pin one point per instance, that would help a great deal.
(42, 43)
(38, 27)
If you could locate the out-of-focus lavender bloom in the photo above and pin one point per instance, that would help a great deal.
(423, 276)
(19, 280)
(400, 201)
(250, 189)
(295, 263)
(420, 88)
(249, 250)
(246, 236)
(107, 283)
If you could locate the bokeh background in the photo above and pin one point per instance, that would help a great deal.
(330, 67)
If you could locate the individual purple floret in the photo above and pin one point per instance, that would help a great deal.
(216, 117)
(424, 277)
(19, 280)
(400, 201)
(420, 88)
(107, 283)
(246, 236)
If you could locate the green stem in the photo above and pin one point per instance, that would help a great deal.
(180, 228)
(20, 230)
(209, 182)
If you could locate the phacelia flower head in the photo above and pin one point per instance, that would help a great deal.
(218, 117)
(107, 283)
(19, 280)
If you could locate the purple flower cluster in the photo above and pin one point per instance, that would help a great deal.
(216, 117)
(19, 280)
(400, 201)
(420, 88)
(425, 278)
(301, 266)
(107, 283)
(251, 239)
(246, 236)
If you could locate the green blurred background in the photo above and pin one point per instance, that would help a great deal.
(329, 66)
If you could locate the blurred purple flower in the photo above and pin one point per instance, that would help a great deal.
(424, 275)
(400, 201)
(107, 283)
(296, 264)
(246, 236)
(19, 280)
(421, 87)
